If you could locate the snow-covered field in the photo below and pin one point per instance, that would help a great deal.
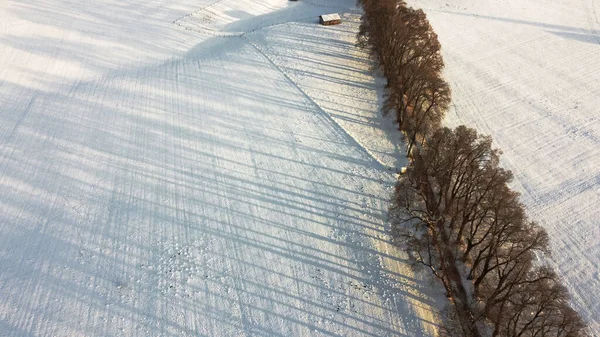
(528, 73)
(195, 168)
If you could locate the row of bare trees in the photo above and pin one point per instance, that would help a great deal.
(453, 210)
(455, 214)
(402, 41)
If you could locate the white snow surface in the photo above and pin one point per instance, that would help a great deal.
(195, 168)
(528, 73)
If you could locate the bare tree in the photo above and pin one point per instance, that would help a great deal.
(454, 204)
(426, 106)
(408, 51)
(539, 307)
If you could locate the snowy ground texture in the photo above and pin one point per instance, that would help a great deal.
(198, 168)
(528, 73)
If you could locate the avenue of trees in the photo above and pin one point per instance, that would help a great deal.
(452, 209)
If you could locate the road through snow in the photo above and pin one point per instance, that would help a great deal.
(528, 73)
(160, 181)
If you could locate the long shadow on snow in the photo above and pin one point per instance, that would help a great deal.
(133, 183)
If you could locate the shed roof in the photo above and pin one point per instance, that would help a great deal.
(331, 17)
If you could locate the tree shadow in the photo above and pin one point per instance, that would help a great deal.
(324, 62)
(587, 38)
(202, 195)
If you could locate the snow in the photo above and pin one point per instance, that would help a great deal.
(196, 168)
(526, 72)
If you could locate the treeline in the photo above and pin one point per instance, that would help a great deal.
(402, 41)
(452, 209)
(456, 215)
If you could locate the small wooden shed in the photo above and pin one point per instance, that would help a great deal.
(330, 19)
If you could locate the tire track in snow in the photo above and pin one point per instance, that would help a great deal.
(329, 7)
(340, 8)
(196, 12)
(319, 108)
(592, 17)
(243, 35)
(205, 30)
(20, 119)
